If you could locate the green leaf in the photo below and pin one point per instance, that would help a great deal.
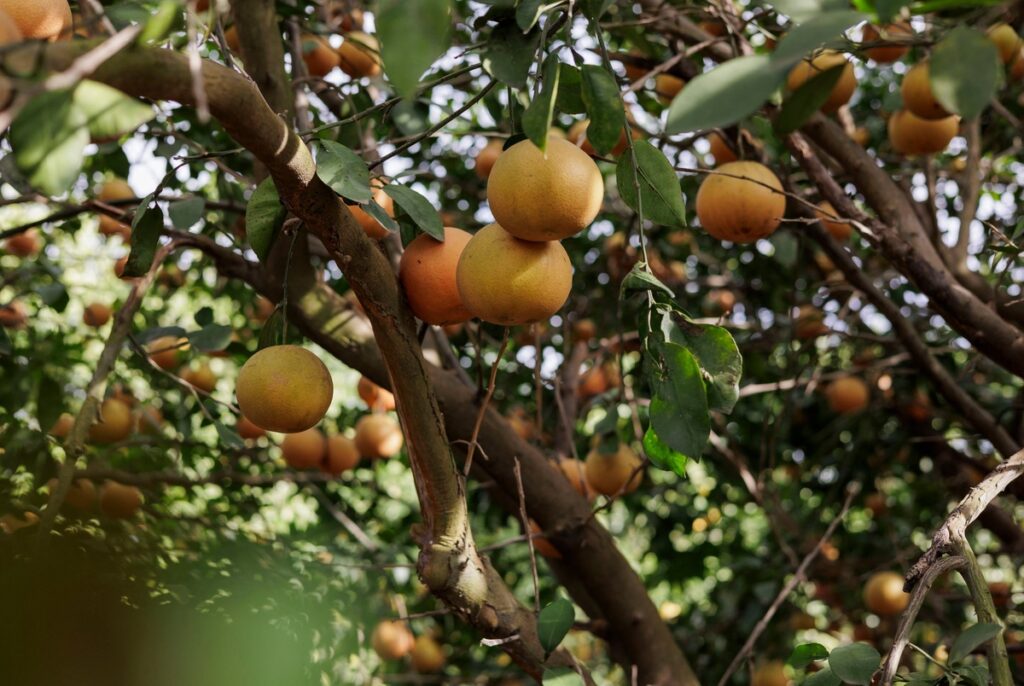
(412, 35)
(825, 677)
(562, 676)
(5, 342)
(661, 456)
(54, 295)
(529, 11)
(570, 90)
(824, 29)
(228, 436)
(802, 10)
(888, 9)
(264, 216)
(554, 623)
(412, 117)
(975, 675)
(344, 171)
(855, 663)
(145, 238)
(109, 113)
(204, 316)
(537, 118)
(970, 639)
(210, 338)
(378, 213)
(965, 71)
(49, 137)
(805, 654)
(719, 358)
(679, 401)
(418, 208)
(594, 9)
(50, 397)
(662, 199)
(156, 332)
(604, 107)
(640, 279)
(273, 330)
(509, 54)
(724, 95)
(807, 100)
(186, 213)
(160, 23)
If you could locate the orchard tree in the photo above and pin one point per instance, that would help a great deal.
(495, 341)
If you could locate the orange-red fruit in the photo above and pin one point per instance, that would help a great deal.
(771, 673)
(918, 98)
(284, 388)
(575, 473)
(427, 271)
(544, 196)
(541, 544)
(427, 655)
(883, 594)
(378, 436)
(119, 501)
(825, 60)
(81, 495)
(359, 55)
(488, 155)
(114, 424)
(42, 19)
(24, 244)
(13, 315)
(202, 377)
(375, 397)
(342, 455)
(809, 323)
(165, 352)
(392, 640)
(319, 56)
(667, 87)
(911, 135)
(1007, 41)
(847, 395)
(149, 420)
(741, 203)
(248, 430)
(373, 228)
(898, 33)
(722, 153)
(609, 473)
(577, 135)
(96, 315)
(62, 427)
(828, 217)
(508, 281)
(305, 449)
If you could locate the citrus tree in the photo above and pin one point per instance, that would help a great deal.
(453, 341)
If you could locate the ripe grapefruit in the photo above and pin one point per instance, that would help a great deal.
(375, 397)
(822, 62)
(883, 594)
(840, 230)
(201, 376)
(847, 395)
(720, 150)
(342, 455)
(427, 655)
(284, 388)
(114, 424)
(304, 449)
(504, 280)
(81, 495)
(911, 135)
(24, 244)
(166, 352)
(897, 34)
(577, 135)
(96, 315)
(378, 436)
(1006, 40)
(42, 19)
(359, 55)
(373, 228)
(119, 501)
(62, 427)
(741, 203)
(13, 315)
(541, 544)
(576, 474)
(488, 155)
(319, 56)
(427, 272)
(667, 87)
(149, 421)
(247, 430)
(916, 90)
(539, 196)
(770, 674)
(609, 473)
(392, 640)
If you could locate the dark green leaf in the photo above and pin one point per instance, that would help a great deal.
(823, 29)
(661, 456)
(186, 213)
(807, 100)
(640, 279)
(204, 316)
(888, 9)
(720, 359)
(965, 71)
(604, 107)
(562, 676)
(554, 623)
(802, 10)
(975, 675)
(264, 216)
(378, 213)
(54, 295)
(109, 113)
(648, 168)
(412, 117)
(970, 639)
(509, 54)
(679, 401)
(855, 663)
(49, 401)
(595, 9)
(273, 330)
(418, 208)
(156, 332)
(210, 338)
(228, 436)
(49, 137)
(537, 118)
(529, 11)
(5, 342)
(805, 654)
(570, 90)
(145, 239)
(724, 95)
(412, 35)
(825, 677)
(344, 171)
(160, 23)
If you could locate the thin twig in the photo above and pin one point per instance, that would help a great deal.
(483, 406)
(526, 527)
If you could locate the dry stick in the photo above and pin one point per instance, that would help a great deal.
(483, 406)
(74, 446)
(342, 518)
(892, 659)
(526, 527)
(851, 492)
